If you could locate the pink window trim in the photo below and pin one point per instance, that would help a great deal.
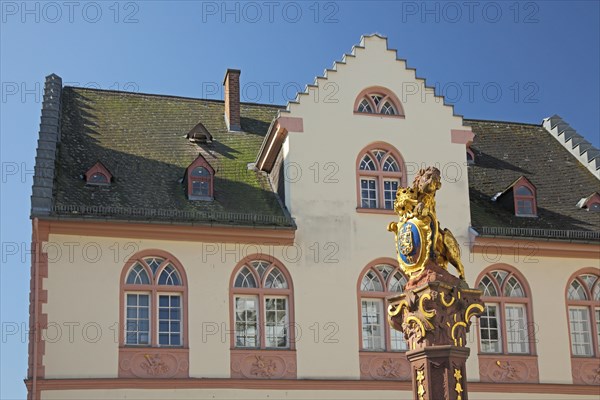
(261, 292)
(153, 288)
(525, 182)
(590, 304)
(379, 175)
(200, 162)
(98, 168)
(388, 96)
(360, 295)
(501, 301)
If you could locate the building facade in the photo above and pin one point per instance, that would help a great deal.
(201, 249)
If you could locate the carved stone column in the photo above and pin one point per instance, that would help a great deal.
(434, 313)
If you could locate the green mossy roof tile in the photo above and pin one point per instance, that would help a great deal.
(141, 140)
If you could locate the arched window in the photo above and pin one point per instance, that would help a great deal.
(382, 278)
(153, 301)
(524, 196)
(262, 304)
(504, 327)
(378, 100)
(200, 180)
(583, 302)
(380, 171)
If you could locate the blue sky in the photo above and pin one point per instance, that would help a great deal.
(503, 60)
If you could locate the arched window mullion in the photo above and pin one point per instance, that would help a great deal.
(160, 269)
(255, 274)
(381, 279)
(375, 161)
(386, 98)
(371, 103)
(270, 268)
(132, 267)
(588, 291)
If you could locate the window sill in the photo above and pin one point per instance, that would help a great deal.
(384, 365)
(396, 116)
(263, 364)
(516, 368)
(153, 362)
(384, 211)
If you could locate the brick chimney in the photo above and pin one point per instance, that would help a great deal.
(232, 99)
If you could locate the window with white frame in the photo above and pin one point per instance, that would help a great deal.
(153, 293)
(378, 282)
(583, 303)
(380, 174)
(261, 306)
(504, 326)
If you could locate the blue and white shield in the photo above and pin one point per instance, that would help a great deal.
(409, 243)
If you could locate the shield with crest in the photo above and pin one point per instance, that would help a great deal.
(412, 243)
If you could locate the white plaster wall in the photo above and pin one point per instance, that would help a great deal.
(323, 198)
(84, 292)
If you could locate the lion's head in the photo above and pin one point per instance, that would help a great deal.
(428, 180)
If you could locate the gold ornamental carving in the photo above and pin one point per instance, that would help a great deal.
(419, 237)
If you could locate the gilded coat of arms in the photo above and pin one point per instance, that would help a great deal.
(419, 237)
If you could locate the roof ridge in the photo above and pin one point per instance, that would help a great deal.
(168, 96)
(502, 122)
(586, 153)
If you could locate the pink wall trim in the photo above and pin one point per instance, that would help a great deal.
(275, 137)
(38, 319)
(461, 136)
(291, 124)
(263, 364)
(297, 384)
(384, 366)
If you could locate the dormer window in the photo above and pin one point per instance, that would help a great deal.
(199, 134)
(590, 203)
(200, 180)
(519, 197)
(98, 175)
(524, 201)
(378, 100)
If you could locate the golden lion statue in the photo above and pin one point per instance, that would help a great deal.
(418, 202)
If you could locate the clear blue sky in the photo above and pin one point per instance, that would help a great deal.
(497, 60)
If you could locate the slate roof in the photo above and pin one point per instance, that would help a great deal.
(504, 151)
(141, 139)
